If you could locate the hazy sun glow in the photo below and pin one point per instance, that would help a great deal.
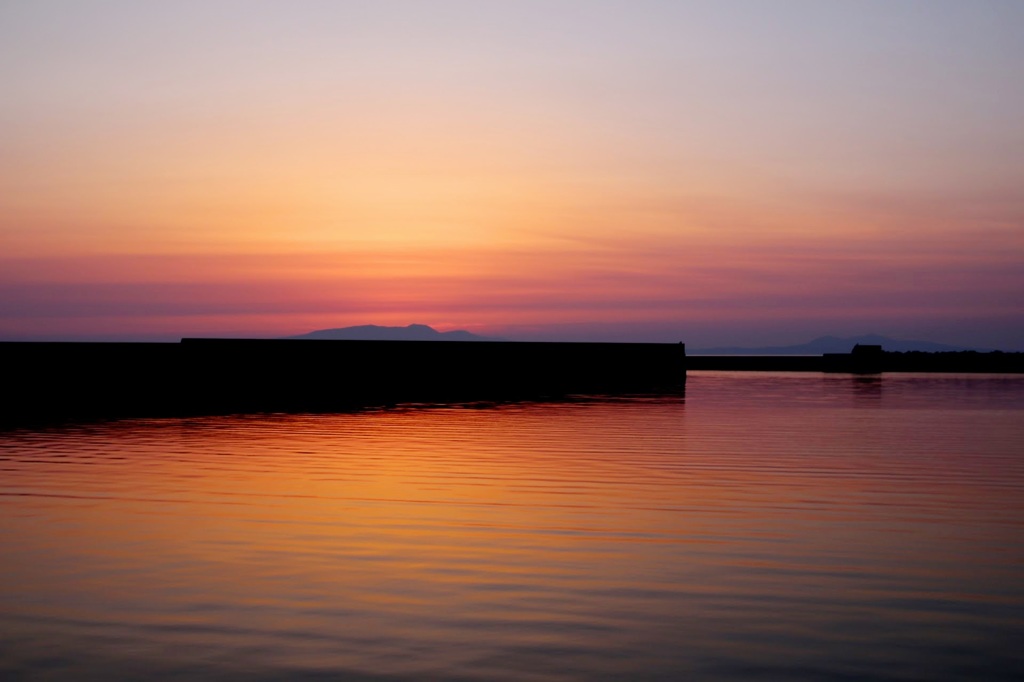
(666, 171)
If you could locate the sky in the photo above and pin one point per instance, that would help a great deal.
(731, 172)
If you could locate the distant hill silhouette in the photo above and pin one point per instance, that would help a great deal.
(373, 332)
(834, 344)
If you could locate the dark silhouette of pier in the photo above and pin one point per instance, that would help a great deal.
(59, 381)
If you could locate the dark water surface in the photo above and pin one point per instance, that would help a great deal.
(770, 526)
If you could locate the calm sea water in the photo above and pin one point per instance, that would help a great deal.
(769, 526)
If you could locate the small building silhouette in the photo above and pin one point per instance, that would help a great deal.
(864, 358)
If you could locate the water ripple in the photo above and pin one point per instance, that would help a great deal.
(777, 526)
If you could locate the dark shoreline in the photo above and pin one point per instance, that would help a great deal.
(967, 362)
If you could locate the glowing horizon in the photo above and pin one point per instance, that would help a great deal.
(703, 171)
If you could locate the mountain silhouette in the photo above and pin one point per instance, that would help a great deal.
(373, 332)
(834, 344)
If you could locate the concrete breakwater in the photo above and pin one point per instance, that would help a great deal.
(55, 381)
(58, 381)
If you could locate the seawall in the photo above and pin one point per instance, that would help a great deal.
(58, 381)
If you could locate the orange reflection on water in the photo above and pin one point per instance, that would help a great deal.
(570, 538)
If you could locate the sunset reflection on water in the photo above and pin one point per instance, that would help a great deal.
(771, 526)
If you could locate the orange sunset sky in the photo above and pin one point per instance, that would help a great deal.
(715, 172)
